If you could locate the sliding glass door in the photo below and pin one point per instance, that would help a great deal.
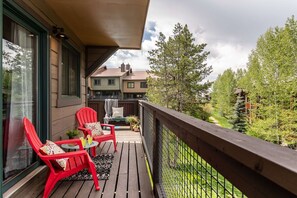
(20, 95)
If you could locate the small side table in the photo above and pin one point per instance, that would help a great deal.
(76, 147)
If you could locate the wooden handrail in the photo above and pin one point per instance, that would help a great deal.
(256, 167)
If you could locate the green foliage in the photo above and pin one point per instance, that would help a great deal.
(72, 133)
(223, 97)
(132, 119)
(222, 121)
(199, 179)
(199, 112)
(271, 81)
(134, 122)
(178, 68)
(239, 118)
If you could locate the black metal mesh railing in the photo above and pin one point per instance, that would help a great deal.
(172, 141)
(148, 134)
(183, 173)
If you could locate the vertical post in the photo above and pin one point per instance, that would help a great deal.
(142, 118)
(1, 105)
(157, 155)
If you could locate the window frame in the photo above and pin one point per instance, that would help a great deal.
(143, 87)
(68, 100)
(17, 14)
(132, 83)
(97, 80)
(112, 80)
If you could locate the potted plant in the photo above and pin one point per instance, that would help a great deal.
(72, 133)
(136, 127)
(134, 122)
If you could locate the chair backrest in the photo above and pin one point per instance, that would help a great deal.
(86, 115)
(32, 135)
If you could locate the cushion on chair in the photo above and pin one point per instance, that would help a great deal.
(50, 148)
(117, 112)
(95, 127)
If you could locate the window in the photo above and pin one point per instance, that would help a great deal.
(130, 85)
(111, 82)
(143, 85)
(69, 83)
(139, 95)
(97, 82)
(97, 93)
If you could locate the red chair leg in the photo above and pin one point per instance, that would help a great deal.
(93, 151)
(94, 174)
(50, 183)
(115, 144)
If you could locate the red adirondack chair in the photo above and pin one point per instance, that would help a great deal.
(77, 160)
(88, 115)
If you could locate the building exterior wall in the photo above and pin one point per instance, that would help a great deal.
(63, 118)
(104, 84)
(136, 88)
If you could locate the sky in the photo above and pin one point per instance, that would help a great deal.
(230, 29)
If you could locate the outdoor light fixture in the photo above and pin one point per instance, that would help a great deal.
(59, 33)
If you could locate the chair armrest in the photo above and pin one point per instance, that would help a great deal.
(108, 125)
(85, 131)
(111, 126)
(78, 141)
(64, 155)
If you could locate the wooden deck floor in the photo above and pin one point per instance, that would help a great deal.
(128, 175)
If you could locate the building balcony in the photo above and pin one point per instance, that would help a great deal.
(187, 157)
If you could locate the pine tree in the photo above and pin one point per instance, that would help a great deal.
(178, 68)
(239, 117)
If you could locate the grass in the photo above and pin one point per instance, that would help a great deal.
(222, 121)
(190, 175)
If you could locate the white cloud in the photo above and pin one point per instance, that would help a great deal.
(227, 56)
(230, 28)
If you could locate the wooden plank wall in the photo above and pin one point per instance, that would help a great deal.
(62, 118)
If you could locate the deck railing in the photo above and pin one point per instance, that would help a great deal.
(130, 107)
(192, 158)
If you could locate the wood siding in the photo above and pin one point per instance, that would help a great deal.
(136, 88)
(63, 118)
(104, 84)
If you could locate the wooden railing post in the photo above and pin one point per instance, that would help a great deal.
(157, 155)
(141, 116)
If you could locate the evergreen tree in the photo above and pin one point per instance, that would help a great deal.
(239, 117)
(178, 68)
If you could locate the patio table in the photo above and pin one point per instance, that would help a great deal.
(76, 147)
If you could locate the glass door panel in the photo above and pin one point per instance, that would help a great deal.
(19, 75)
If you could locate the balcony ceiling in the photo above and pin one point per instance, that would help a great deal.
(104, 22)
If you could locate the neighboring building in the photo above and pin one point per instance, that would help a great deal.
(107, 83)
(120, 83)
(135, 85)
(49, 49)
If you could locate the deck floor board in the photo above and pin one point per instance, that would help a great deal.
(128, 176)
(121, 188)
